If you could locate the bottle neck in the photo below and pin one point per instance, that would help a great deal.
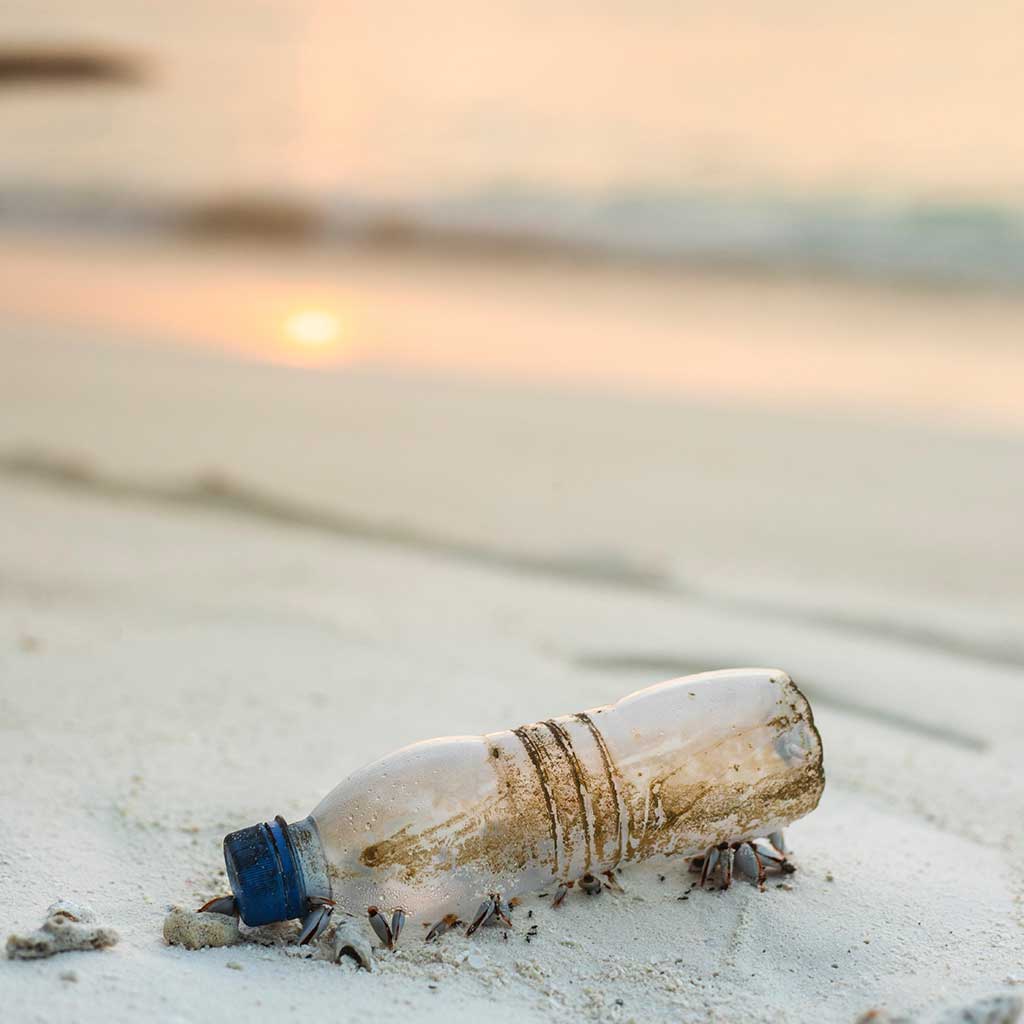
(305, 843)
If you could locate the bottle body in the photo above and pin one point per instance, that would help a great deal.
(671, 770)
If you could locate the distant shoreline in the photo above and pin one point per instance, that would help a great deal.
(947, 249)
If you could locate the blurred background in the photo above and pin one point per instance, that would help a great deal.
(372, 371)
(729, 300)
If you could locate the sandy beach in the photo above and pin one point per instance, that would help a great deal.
(225, 584)
(377, 372)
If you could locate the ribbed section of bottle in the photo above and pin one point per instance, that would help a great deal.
(665, 773)
(565, 793)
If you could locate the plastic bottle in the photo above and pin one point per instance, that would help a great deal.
(433, 828)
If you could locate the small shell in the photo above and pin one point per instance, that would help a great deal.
(347, 939)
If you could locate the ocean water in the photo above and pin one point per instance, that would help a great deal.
(853, 138)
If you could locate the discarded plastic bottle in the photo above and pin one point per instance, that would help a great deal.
(683, 768)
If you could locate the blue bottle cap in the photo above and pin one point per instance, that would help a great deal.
(264, 873)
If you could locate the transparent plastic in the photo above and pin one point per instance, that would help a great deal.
(671, 770)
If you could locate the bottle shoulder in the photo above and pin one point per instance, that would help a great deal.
(430, 778)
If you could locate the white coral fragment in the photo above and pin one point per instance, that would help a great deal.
(68, 927)
(998, 1009)
(196, 929)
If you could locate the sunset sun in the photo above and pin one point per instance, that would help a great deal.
(312, 328)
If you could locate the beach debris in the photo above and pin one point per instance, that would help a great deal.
(29, 643)
(212, 927)
(475, 961)
(567, 799)
(346, 939)
(68, 927)
(997, 1009)
(197, 929)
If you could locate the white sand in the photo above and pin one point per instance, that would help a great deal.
(171, 669)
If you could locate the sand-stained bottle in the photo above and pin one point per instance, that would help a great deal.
(673, 770)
